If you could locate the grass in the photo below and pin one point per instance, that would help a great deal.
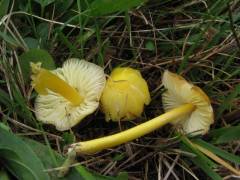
(198, 39)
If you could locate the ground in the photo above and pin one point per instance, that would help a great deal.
(197, 39)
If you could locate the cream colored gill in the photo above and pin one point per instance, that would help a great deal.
(89, 81)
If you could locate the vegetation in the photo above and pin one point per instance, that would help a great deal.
(198, 39)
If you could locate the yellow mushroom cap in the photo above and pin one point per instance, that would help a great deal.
(180, 92)
(124, 95)
(88, 79)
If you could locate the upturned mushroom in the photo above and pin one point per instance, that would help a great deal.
(124, 95)
(67, 94)
(185, 104)
(199, 115)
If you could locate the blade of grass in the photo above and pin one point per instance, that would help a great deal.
(217, 159)
(4, 4)
(224, 154)
(103, 7)
(200, 162)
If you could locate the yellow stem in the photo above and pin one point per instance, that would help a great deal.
(217, 159)
(99, 144)
(44, 79)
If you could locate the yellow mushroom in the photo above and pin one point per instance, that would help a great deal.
(180, 92)
(184, 103)
(124, 95)
(67, 94)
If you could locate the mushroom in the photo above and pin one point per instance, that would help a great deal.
(124, 95)
(185, 104)
(67, 94)
(180, 92)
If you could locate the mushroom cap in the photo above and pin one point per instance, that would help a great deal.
(180, 92)
(124, 95)
(88, 79)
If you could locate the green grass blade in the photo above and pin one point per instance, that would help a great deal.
(224, 154)
(104, 7)
(200, 160)
(4, 4)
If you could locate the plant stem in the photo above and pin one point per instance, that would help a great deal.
(99, 144)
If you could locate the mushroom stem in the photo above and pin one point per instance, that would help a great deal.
(43, 79)
(99, 144)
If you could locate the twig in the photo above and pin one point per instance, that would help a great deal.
(171, 167)
(28, 127)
